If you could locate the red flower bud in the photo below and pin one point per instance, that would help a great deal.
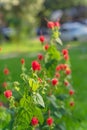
(54, 81)
(22, 61)
(49, 121)
(56, 24)
(68, 71)
(62, 66)
(71, 92)
(40, 56)
(65, 52)
(58, 68)
(34, 121)
(50, 24)
(42, 39)
(46, 46)
(40, 80)
(57, 75)
(8, 93)
(72, 103)
(6, 71)
(65, 66)
(66, 57)
(4, 84)
(36, 66)
(66, 83)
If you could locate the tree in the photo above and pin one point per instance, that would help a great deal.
(21, 13)
(62, 4)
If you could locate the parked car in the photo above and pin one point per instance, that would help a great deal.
(42, 30)
(73, 31)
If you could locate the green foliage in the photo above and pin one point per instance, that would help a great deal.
(79, 119)
(4, 118)
(59, 4)
(33, 84)
(41, 93)
(25, 113)
(38, 99)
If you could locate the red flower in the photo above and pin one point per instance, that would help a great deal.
(49, 121)
(40, 80)
(57, 75)
(8, 93)
(6, 71)
(65, 52)
(36, 66)
(50, 24)
(4, 84)
(40, 56)
(66, 57)
(72, 103)
(66, 83)
(22, 61)
(68, 71)
(54, 81)
(34, 121)
(62, 66)
(42, 39)
(56, 24)
(58, 68)
(71, 92)
(65, 66)
(46, 47)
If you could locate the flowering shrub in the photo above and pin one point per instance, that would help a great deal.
(45, 91)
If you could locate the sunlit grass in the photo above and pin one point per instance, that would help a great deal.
(21, 46)
(78, 59)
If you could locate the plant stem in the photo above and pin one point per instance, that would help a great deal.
(33, 128)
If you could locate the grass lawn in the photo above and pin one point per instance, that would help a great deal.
(78, 57)
(21, 46)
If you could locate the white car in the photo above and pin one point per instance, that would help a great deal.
(73, 32)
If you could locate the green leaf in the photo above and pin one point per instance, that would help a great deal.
(29, 128)
(62, 96)
(58, 115)
(58, 40)
(5, 118)
(22, 101)
(54, 53)
(33, 84)
(45, 127)
(38, 113)
(53, 100)
(38, 99)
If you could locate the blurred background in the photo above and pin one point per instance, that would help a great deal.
(20, 18)
(21, 23)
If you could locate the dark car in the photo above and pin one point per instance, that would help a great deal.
(42, 30)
